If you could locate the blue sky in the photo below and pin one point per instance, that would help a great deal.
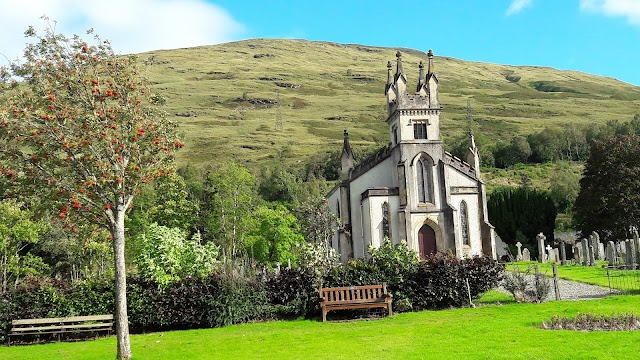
(595, 36)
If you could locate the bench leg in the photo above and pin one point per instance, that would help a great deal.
(324, 315)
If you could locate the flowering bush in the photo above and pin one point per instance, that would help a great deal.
(167, 255)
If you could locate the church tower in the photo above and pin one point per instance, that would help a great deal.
(412, 190)
(414, 127)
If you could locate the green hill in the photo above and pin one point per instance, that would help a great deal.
(223, 97)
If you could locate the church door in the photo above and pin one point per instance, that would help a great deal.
(426, 241)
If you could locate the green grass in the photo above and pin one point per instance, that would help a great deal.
(594, 275)
(487, 332)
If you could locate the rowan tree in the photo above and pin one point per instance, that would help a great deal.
(80, 126)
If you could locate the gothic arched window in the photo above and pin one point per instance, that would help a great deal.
(425, 181)
(386, 233)
(464, 223)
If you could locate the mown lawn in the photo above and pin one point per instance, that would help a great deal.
(595, 275)
(487, 332)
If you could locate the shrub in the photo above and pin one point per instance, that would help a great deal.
(592, 322)
(238, 300)
(441, 280)
(167, 255)
(438, 282)
(292, 293)
(526, 287)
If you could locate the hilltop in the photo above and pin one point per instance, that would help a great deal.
(224, 97)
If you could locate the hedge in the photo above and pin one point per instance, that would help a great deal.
(223, 299)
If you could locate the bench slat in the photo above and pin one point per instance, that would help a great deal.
(22, 330)
(36, 328)
(61, 320)
(60, 332)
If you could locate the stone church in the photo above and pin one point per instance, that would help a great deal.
(412, 189)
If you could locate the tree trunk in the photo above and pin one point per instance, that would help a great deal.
(121, 317)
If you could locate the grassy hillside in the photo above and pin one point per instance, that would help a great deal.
(225, 95)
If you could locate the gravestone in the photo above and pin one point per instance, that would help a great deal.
(526, 255)
(556, 254)
(541, 255)
(628, 253)
(519, 256)
(621, 250)
(592, 257)
(611, 253)
(601, 250)
(585, 252)
(636, 244)
(594, 240)
(632, 256)
(563, 253)
(551, 255)
(577, 252)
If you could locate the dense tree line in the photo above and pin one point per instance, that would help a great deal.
(570, 142)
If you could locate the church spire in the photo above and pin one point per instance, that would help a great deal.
(346, 147)
(473, 154)
(400, 79)
(399, 68)
(346, 159)
(432, 83)
(389, 76)
(431, 68)
(420, 77)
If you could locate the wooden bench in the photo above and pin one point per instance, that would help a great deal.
(59, 326)
(354, 297)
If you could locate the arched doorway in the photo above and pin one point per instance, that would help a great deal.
(426, 241)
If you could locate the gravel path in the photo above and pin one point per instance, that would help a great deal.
(572, 290)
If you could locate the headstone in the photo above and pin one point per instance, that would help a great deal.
(551, 255)
(519, 256)
(596, 246)
(578, 253)
(610, 253)
(592, 257)
(601, 250)
(585, 252)
(556, 254)
(621, 251)
(628, 253)
(636, 244)
(541, 238)
(563, 253)
(526, 255)
(632, 256)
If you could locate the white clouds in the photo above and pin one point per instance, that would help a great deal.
(132, 26)
(517, 6)
(629, 9)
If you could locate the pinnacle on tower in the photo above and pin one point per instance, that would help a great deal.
(346, 147)
(431, 68)
(389, 76)
(399, 68)
(420, 77)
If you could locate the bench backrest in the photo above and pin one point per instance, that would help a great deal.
(353, 294)
(72, 319)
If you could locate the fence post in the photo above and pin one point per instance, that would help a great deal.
(555, 280)
(609, 279)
